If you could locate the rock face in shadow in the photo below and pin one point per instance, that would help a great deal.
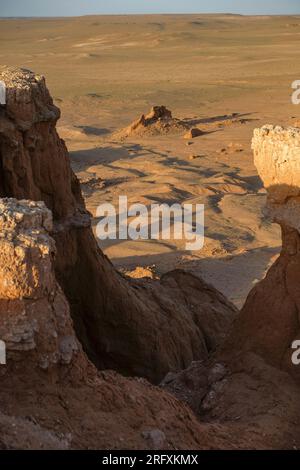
(138, 329)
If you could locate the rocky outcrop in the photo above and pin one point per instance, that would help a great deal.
(250, 385)
(132, 327)
(35, 317)
(158, 121)
(270, 320)
(51, 396)
(276, 156)
(244, 402)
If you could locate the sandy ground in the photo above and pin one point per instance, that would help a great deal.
(105, 71)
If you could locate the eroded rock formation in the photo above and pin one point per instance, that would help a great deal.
(143, 329)
(35, 316)
(249, 384)
(51, 396)
(270, 319)
(158, 121)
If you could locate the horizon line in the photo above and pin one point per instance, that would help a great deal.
(150, 14)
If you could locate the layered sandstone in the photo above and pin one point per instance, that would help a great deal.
(137, 328)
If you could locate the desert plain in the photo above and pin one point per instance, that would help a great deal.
(223, 74)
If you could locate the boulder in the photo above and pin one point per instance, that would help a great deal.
(193, 133)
